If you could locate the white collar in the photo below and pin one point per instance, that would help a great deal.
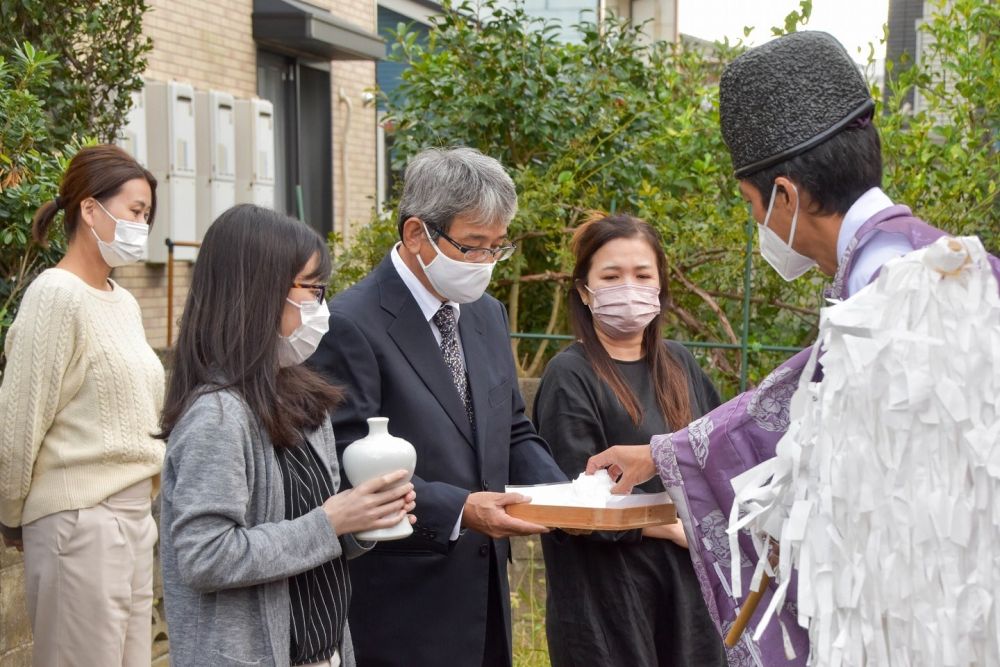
(864, 209)
(429, 304)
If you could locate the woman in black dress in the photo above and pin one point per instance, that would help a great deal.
(625, 598)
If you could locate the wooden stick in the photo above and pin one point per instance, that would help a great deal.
(746, 612)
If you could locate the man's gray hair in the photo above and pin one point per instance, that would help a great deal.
(441, 183)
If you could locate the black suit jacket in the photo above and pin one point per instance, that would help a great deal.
(422, 601)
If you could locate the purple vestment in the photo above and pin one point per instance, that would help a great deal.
(696, 465)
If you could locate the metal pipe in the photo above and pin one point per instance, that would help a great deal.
(171, 244)
(170, 293)
(693, 344)
(677, 22)
(346, 100)
(745, 335)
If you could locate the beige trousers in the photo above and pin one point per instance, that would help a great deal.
(89, 580)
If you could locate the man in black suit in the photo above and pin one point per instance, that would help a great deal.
(419, 342)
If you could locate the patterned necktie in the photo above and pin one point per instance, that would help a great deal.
(444, 320)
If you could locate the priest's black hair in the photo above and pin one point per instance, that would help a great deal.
(835, 173)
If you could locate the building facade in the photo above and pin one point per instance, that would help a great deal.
(658, 17)
(313, 64)
(904, 17)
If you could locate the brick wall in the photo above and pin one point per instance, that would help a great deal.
(353, 78)
(148, 284)
(208, 44)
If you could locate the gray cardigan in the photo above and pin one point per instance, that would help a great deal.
(226, 549)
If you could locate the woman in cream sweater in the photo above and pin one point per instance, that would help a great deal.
(79, 404)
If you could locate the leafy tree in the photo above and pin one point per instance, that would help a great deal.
(943, 158)
(29, 173)
(99, 56)
(609, 124)
(615, 124)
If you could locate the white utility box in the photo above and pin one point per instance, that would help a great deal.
(216, 137)
(255, 152)
(170, 144)
(132, 137)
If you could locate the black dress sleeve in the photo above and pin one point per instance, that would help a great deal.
(567, 416)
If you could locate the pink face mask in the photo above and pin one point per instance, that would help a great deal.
(624, 310)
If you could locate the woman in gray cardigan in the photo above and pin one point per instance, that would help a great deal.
(254, 536)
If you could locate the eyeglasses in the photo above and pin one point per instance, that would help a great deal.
(318, 289)
(476, 255)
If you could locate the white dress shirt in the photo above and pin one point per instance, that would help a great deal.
(882, 247)
(429, 305)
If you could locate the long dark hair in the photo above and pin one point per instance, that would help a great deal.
(669, 379)
(95, 171)
(229, 331)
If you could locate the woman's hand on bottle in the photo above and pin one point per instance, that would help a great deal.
(381, 502)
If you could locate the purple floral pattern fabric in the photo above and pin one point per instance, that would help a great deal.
(699, 432)
(713, 536)
(769, 404)
(662, 447)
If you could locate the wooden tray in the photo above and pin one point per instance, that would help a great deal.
(588, 518)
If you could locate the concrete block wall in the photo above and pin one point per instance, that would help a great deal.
(15, 629)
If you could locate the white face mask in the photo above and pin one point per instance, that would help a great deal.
(780, 255)
(129, 244)
(300, 345)
(461, 282)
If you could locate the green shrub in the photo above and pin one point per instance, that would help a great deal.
(29, 174)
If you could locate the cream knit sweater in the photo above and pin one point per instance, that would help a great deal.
(80, 399)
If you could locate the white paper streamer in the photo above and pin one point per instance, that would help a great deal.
(885, 491)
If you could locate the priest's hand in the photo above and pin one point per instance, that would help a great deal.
(486, 512)
(629, 465)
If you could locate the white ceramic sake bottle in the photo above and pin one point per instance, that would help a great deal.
(376, 454)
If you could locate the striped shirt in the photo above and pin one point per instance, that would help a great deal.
(319, 597)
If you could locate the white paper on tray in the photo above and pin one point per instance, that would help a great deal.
(563, 495)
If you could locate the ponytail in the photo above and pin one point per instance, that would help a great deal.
(42, 222)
